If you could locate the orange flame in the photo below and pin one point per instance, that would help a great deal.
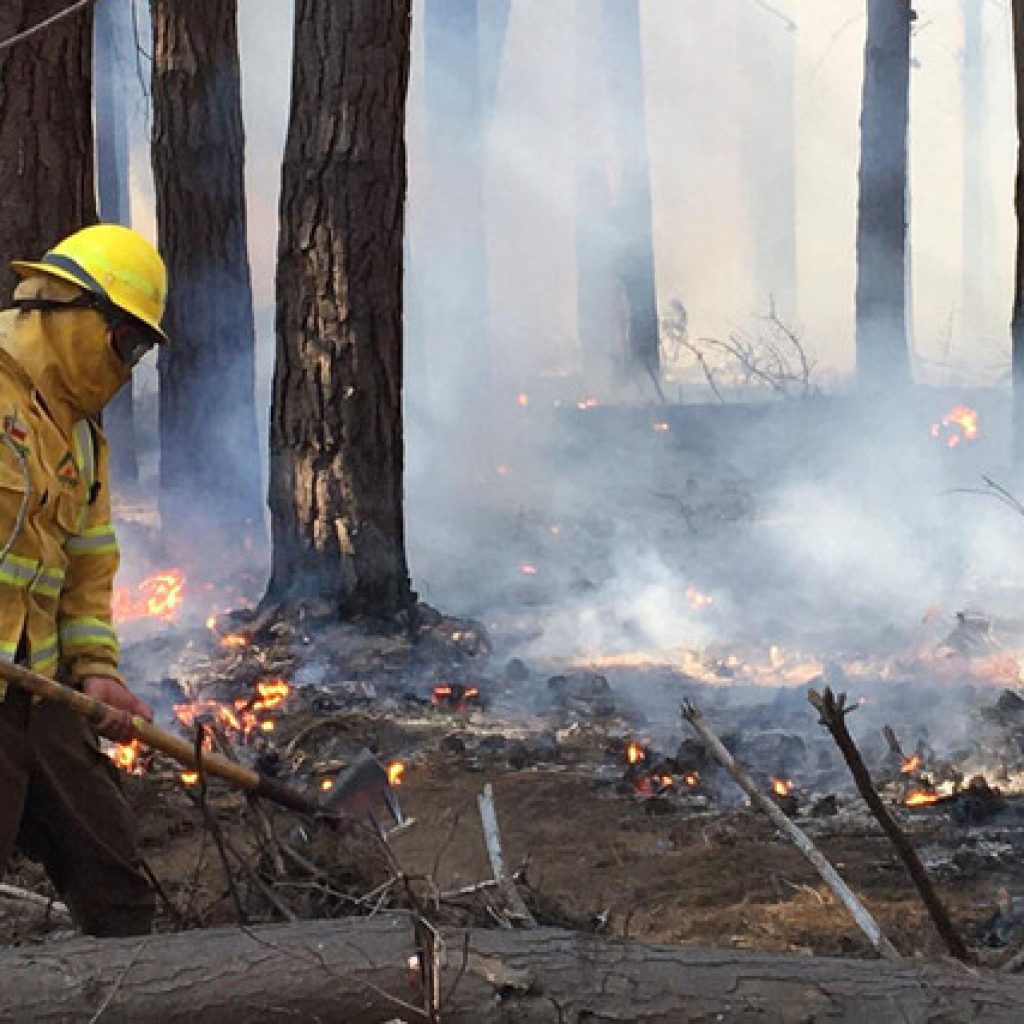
(159, 596)
(698, 599)
(272, 694)
(126, 756)
(189, 778)
(921, 797)
(692, 779)
(910, 764)
(959, 424)
(234, 640)
(781, 787)
(396, 772)
(634, 752)
(326, 784)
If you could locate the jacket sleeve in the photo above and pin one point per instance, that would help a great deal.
(88, 640)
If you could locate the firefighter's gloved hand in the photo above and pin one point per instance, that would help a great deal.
(117, 725)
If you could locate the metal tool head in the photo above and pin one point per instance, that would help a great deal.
(360, 789)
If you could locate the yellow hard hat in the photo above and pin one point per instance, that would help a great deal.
(111, 261)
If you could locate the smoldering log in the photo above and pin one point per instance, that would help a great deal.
(358, 970)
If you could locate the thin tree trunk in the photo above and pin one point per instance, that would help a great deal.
(454, 251)
(209, 461)
(358, 970)
(976, 273)
(336, 421)
(618, 314)
(112, 59)
(46, 132)
(883, 359)
(1017, 321)
(768, 64)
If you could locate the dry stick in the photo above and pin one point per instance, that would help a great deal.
(50, 905)
(833, 711)
(857, 909)
(492, 839)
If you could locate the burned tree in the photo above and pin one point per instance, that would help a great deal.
(209, 465)
(1017, 322)
(112, 49)
(46, 132)
(455, 255)
(614, 241)
(883, 358)
(336, 419)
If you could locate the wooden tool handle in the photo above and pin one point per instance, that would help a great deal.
(96, 710)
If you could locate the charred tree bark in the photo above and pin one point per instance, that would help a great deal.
(1017, 321)
(336, 421)
(46, 132)
(357, 970)
(883, 357)
(209, 461)
(454, 252)
(112, 51)
(618, 312)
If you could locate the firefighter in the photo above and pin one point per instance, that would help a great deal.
(81, 319)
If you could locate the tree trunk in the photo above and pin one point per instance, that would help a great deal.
(767, 52)
(1017, 321)
(336, 419)
(46, 134)
(112, 55)
(883, 358)
(618, 314)
(209, 454)
(453, 253)
(977, 181)
(358, 970)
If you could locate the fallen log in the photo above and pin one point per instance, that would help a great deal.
(358, 970)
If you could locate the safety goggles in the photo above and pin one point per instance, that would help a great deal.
(130, 339)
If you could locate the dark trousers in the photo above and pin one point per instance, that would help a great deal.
(61, 804)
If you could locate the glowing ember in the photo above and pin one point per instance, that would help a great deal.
(959, 424)
(189, 778)
(454, 696)
(634, 752)
(781, 787)
(921, 797)
(326, 784)
(126, 756)
(234, 640)
(396, 771)
(910, 764)
(697, 599)
(692, 779)
(241, 718)
(271, 694)
(159, 596)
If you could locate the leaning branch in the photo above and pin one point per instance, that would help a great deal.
(43, 25)
(833, 711)
(860, 913)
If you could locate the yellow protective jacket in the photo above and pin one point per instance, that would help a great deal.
(59, 552)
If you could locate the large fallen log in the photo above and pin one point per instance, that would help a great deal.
(357, 971)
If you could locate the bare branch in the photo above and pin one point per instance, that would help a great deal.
(43, 25)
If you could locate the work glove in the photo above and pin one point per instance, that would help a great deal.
(117, 725)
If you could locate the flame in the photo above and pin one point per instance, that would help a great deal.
(921, 797)
(781, 787)
(326, 784)
(159, 596)
(661, 428)
(126, 756)
(272, 694)
(189, 778)
(697, 599)
(692, 779)
(242, 718)
(234, 640)
(910, 764)
(634, 752)
(959, 424)
(396, 771)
